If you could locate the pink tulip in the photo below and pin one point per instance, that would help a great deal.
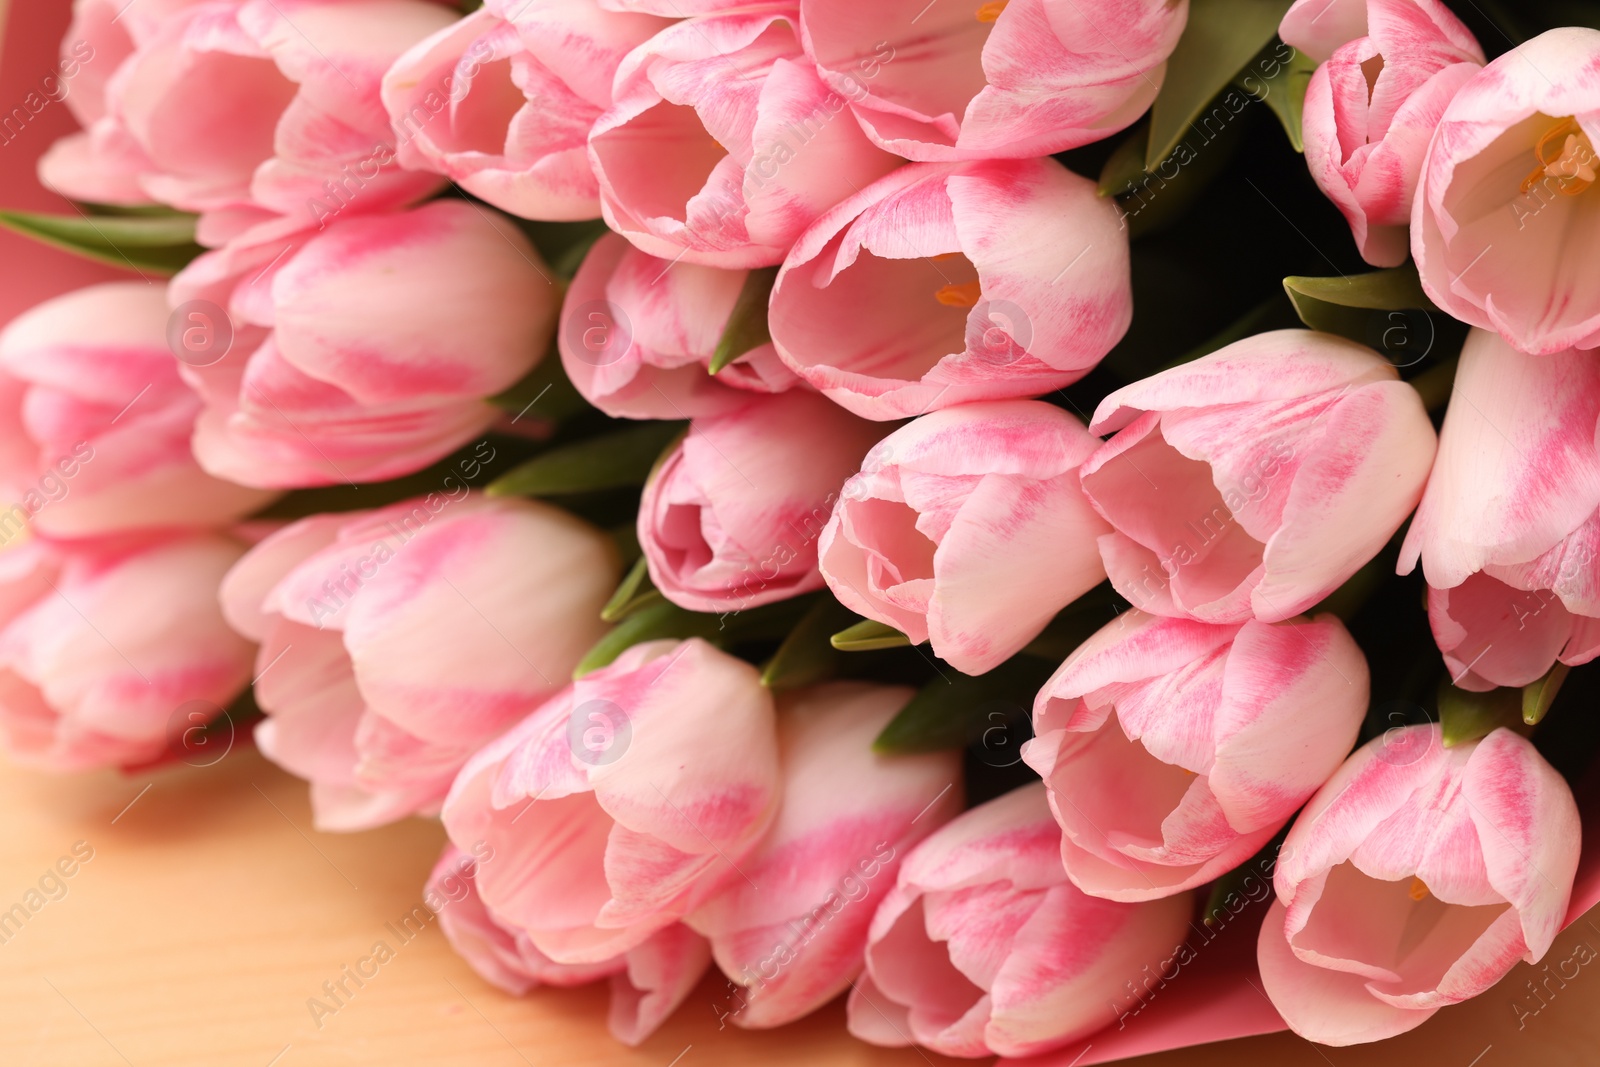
(638, 333)
(648, 983)
(847, 818)
(984, 947)
(1255, 480)
(365, 352)
(1008, 80)
(730, 518)
(947, 283)
(1503, 190)
(502, 101)
(967, 528)
(106, 644)
(1174, 750)
(102, 163)
(1371, 109)
(96, 422)
(723, 143)
(649, 782)
(1510, 523)
(1416, 878)
(223, 103)
(396, 642)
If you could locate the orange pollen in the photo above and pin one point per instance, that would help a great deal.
(1418, 890)
(964, 295)
(1566, 160)
(990, 11)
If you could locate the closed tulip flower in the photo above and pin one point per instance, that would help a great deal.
(1255, 480)
(983, 947)
(967, 528)
(723, 143)
(1509, 526)
(997, 80)
(97, 421)
(366, 351)
(106, 643)
(638, 335)
(647, 783)
(1371, 109)
(647, 983)
(1174, 750)
(846, 820)
(501, 102)
(268, 103)
(1416, 878)
(1508, 179)
(394, 643)
(731, 516)
(944, 284)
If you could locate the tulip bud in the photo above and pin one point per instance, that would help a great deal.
(257, 104)
(968, 528)
(984, 947)
(846, 820)
(396, 642)
(638, 335)
(723, 143)
(501, 102)
(1416, 878)
(1255, 480)
(1371, 109)
(107, 645)
(352, 383)
(993, 80)
(943, 284)
(648, 983)
(1507, 529)
(1508, 179)
(97, 421)
(731, 517)
(645, 784)
(1174, 750)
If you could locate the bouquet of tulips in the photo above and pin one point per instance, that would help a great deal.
(1071, 523)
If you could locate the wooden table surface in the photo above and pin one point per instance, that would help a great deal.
(210, 913)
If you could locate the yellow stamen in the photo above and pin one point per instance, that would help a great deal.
(965, 295)
(1566, 160)
(1419, 889)
(990, 11)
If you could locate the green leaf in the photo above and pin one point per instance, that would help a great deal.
(160, 244)
(747, 326)
(1465, 716)
(1125, 166)
(868, 635)
(1221, 37)
(635, 592)
(1538, 696)
(1283, 90)
(654, 621)
(1345, 305)
(807, 656)
(611, 461)
(956, 710)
